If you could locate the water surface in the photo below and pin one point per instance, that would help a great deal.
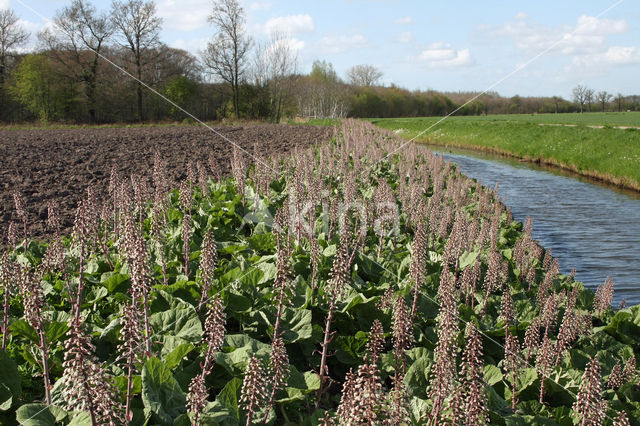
(589, 226)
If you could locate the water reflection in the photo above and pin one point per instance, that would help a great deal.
(588, 226)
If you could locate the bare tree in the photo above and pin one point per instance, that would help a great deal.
(12, 35)
(589, 95)
(227, 54)
(275, 64)
(139, 31)
(604, 98)
(363, 75)
(579, 95)
(556, 101)
(619, 101)
(321, 94)
(76, 43)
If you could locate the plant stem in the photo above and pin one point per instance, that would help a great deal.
(325, 346)
(147, 326)
(127, 408)
(45, 364)
(5, 318)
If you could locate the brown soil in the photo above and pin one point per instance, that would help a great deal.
(59, 165)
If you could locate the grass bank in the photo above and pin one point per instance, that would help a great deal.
(609, 154)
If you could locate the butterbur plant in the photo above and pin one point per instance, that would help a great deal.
(402, 335)
(87, 387)
(131, 337)
(513, 362)
(214, 331)
(186, 241)
(604, 296)
(22, 214)
(252, 395)
(334, 289)
(545, 361)
(472, 379)
(208, 262)
(34, 303)
(8, 288)
(589, 406)
(278, 372)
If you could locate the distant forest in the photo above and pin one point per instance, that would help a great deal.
(77, 75)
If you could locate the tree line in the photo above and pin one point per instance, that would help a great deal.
(100, 67)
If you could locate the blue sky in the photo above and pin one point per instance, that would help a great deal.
(453, 45)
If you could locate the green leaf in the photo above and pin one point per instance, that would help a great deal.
(419, 410)
(56, 330)
(161, 393)
(237, 350)
(174, 358)
(417, 378)
(312, 380)
(269, 271)
(229, 396)
(182, 420)
(176, 327)
(6, 397)
(330, 250)
(23, 329)
(35, 415)
(296, 325)
(468, 258)
(115, 282)
(518, 420)
(9, 375)
(492, 374)
(82, 418)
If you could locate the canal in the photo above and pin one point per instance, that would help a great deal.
(589, 226)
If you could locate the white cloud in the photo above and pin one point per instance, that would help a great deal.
(521, 16)
(406, 37)
(32, 27)
(184, 15)
(193, 46)
(443, 55)
(407, 20)
(342, 43)
(590, 25)
(4, 4)
(588, 36)
(292, 24)
(616, 55)
(259, 5)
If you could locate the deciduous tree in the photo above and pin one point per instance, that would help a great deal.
(579, 95)
(76, 43)
(226, 56)
(604, 98)
(275, 64)
(589, 98)
(138, 29)
(364, 75)
(12, 35)
(37, 87)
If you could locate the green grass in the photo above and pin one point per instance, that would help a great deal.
(606, 153)
(626, 119)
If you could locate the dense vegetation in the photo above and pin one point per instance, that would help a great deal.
(606, 153)
(343, 284)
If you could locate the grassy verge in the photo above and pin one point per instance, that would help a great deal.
(608, 154)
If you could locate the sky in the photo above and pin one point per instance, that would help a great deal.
(529, 48)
